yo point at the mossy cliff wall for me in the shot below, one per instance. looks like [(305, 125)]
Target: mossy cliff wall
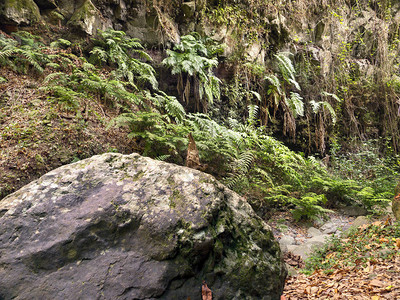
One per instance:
[(348, 48)]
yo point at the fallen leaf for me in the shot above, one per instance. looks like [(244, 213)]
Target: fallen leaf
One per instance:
[(307, 290), (367, 269), (375, 298), (377, 283), (383, 240), (206, 293), (332, 254)]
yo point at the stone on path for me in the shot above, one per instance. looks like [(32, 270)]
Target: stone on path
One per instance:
[(312, 231), (308, 246), (285, 241), (359, 221), (354, 211)]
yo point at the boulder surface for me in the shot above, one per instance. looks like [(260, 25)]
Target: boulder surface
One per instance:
[(128, 227)]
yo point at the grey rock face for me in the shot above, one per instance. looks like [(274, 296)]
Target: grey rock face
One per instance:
[(129, 227)]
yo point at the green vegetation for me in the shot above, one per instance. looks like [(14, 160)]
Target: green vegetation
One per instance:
[(116, 72), (194, 58)]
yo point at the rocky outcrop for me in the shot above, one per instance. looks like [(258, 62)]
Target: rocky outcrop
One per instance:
[(88, 19), (127, 227), (19, 12)]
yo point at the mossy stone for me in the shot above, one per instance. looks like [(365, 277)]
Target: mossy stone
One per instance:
[(20, 12), (86, 18)]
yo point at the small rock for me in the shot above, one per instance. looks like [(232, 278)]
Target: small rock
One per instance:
[(359, 221), (284, 248), (287, 240), (302, 250), (312, 231), (317, 240), (329, 228), (318, 222), (354, 211)]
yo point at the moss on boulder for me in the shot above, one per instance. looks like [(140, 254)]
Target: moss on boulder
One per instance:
[(19, 12), (87, 18), (95, 229)]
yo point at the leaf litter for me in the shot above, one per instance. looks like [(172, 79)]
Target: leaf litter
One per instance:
[(363, 265)]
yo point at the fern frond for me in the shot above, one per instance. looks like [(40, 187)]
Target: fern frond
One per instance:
[(334, 96), (257, 95), (163, 157), (275, 83), (285, 65), (331, 111), (253, 113), (295, 102)]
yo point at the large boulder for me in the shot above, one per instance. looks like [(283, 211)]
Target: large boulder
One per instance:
[(128, 227)]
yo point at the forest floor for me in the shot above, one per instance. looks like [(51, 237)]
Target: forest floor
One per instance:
[(362, 264)]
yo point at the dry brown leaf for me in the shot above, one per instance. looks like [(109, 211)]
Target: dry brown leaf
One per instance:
[(367, 269), (307, 290), (206, 293), (377, 283)]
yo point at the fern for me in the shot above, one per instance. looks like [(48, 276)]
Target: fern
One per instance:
[(116, 49), (192, 58), (60, 43), (287, 69), (308, 207), (163, 157), (334, 96), (316, 107), (295, 102), (253, 114)]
